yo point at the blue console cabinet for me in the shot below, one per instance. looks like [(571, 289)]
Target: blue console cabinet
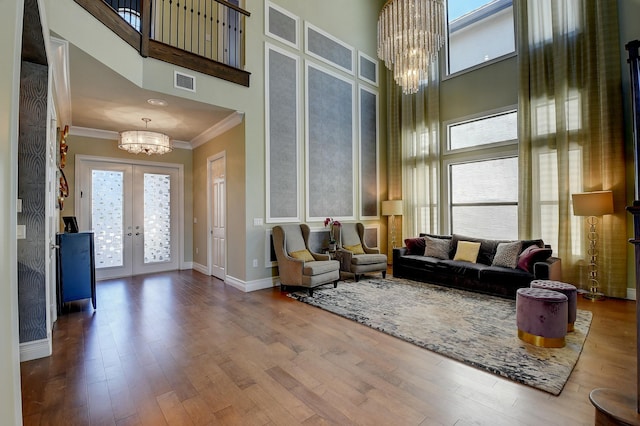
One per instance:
[(76, 268)]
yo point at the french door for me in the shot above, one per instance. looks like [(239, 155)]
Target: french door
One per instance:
[(133, 210)]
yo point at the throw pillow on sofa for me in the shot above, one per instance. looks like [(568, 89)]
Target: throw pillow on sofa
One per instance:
[(507, 254), (467, 251), (415, 246), (531, 255), (437, 247)]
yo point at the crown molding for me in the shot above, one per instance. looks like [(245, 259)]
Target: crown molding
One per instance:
[(110, 135), (229, 122), (60, 75)]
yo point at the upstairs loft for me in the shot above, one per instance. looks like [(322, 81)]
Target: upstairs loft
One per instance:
[(207, 36)]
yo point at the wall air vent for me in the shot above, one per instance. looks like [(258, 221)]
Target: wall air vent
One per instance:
[(184, 81)]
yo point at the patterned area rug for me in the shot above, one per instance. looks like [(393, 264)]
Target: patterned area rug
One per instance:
[(476, 329)]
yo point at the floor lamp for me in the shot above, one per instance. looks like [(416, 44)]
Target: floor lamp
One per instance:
[(592, 205), (392, 208)]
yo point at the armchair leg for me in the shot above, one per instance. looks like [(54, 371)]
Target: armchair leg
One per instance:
[(335, 284), (310, 292), (357, 277), (384, 274)]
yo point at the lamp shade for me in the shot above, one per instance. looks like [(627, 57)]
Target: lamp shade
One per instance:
[(595, 203), (392, 208)]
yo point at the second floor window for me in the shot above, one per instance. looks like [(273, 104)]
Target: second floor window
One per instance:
[(478, 31)]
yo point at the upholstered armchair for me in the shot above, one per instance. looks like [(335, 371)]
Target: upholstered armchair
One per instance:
[(354, 254), (297, 264)]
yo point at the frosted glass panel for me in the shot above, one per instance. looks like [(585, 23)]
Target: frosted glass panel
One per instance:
[(487, 130), (157, 218), (107, 217)]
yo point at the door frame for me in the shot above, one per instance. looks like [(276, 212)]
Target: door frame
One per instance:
[(80, 168), (222, 155)]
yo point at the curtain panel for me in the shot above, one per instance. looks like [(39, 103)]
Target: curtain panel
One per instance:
[(571, 132), (414, 130)]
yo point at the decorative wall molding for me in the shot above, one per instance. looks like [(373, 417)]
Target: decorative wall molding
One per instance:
[(367, 68), (631, 293), (328, 49), (281, 25), (330, 137), (369, 150), (282, 134)]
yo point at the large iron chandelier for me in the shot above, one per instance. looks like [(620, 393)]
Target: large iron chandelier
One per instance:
[(137, 141), (410, 34)]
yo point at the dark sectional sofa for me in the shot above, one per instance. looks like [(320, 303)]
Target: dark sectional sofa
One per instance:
[(533, 261)]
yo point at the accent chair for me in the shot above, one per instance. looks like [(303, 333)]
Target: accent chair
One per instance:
[(354, 254), (298, 265)]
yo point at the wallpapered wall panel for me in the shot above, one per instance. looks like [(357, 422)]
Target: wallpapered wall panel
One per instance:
[(340, 173), (281, 24), (32, 142), (282, 135), (329, 49), (330, 145), (367, 69), (368, 153)]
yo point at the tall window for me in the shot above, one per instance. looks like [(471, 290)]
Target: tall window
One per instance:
[(479, 31), (481, 164)]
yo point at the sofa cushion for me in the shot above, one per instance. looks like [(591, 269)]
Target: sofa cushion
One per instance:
[(320, 267), (462, 268), (531, 255), (487, 247), (498, 275), (467, 251), (420, 262), (415, 245), (369, 259), (507, 254), (437, 247)]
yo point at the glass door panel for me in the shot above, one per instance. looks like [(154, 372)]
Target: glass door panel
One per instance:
[(107, 217), (157, 218)]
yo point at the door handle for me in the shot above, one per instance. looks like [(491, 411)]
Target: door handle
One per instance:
[(53, 246), (129, 234), (138, 233)]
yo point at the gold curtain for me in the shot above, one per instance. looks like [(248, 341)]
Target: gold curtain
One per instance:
[(571, 132), (413, 124)]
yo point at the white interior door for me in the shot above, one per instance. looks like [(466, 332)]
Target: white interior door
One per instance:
[(218, 220), (133, 211)]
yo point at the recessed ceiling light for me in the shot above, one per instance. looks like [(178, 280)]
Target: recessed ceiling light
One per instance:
[(157, 102)]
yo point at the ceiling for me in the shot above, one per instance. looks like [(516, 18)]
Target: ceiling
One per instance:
[(103, 100)]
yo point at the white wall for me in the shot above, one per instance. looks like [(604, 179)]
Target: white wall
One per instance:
[(10, 48)]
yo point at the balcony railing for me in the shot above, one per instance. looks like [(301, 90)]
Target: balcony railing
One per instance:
[(202, 35)]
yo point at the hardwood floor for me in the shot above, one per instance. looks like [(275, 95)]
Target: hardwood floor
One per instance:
[(182, 348)]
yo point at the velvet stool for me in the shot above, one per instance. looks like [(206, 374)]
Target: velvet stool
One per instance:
[(568, 290), (541, 316)]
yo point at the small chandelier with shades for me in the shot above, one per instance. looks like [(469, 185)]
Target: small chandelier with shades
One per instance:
[(137, 141), (410, 34)]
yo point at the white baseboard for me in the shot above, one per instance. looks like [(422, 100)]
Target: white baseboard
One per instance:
[(631, 293), (186, 266), (200, 268), (35, 349), (246, 287)]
